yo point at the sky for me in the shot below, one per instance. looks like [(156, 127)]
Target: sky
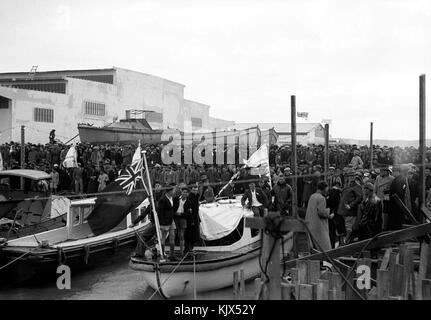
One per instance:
[(349, 61)]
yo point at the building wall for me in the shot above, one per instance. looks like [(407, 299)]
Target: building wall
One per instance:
[(193, 109), (137, 90), (22, 113), (6, 122)]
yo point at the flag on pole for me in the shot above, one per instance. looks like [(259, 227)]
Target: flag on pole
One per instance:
[(119, 198), (71, 159)]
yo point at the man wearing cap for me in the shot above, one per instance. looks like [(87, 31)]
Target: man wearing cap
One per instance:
[(369, 221), (381, 189), (351, 197)]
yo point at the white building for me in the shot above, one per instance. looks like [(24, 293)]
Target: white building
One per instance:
[(306, 133), (60, 100)]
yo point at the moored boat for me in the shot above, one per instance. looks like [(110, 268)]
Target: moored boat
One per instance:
[(211, 265), (38, 255)]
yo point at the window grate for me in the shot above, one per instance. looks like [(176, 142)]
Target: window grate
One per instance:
[(43, 115)]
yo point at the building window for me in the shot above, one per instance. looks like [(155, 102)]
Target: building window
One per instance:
[(197, 122), (95, 109), (43, 115)]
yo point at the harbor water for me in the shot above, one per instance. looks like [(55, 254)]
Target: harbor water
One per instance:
[(113, 280)]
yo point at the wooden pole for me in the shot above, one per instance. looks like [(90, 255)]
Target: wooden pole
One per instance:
[(294, 163), (422, 143), (22, 153), (371, 146), (326, 152)]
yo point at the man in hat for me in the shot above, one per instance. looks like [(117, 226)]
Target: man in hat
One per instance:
[(369, 221), (381, 189), (317, 216)]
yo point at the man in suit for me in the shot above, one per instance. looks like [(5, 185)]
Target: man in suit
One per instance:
[(257, 200), (166, 211), (192, 235), (183, 210)]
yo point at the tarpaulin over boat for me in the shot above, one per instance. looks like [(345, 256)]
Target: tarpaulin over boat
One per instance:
[(220, 219)]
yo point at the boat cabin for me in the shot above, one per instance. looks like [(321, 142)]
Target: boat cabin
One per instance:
[(24, 195)]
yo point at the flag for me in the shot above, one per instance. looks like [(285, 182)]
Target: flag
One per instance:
[(70, 161), (137, 155), (119, 198), (302, 115), (259, 161)]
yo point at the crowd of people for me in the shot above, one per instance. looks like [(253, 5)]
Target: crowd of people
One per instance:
[(351, 201)]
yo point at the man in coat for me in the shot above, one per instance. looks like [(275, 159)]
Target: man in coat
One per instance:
[(282, 193), (257, 200), (381, 189), (399, 188), (351, 197), (183, 211), (369, 222), (317, 218), (192, 233)]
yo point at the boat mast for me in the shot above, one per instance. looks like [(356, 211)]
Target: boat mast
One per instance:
[(156, 218)]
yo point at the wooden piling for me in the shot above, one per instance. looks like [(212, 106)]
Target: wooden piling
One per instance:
[(422, 140)]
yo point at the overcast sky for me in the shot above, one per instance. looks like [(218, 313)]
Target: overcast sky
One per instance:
[(349, 61)]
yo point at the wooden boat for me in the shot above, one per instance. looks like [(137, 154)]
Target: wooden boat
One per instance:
[(125, 131), (212, 264), (38, 255)]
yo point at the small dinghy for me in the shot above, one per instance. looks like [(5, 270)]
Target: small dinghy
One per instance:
[(227, 246)]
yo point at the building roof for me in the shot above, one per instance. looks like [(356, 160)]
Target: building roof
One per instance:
[(280, 128)]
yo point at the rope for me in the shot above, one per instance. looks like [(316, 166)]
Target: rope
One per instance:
[(16, 259), (169, 276)]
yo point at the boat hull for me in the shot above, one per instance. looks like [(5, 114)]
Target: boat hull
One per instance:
[(93, 135), (39, 264), (173, 279)]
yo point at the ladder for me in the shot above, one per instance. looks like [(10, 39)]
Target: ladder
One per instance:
[(32, 73)]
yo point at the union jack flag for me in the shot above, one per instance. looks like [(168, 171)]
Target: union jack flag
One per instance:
[(130, 178)]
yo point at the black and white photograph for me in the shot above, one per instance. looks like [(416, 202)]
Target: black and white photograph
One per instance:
[(215, 155)]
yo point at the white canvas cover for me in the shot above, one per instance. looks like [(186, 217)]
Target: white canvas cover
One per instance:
[(221, 218)]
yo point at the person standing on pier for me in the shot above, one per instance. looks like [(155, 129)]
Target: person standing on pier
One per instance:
[(317, 216)]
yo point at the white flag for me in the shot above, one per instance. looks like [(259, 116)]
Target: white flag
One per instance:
[(1, 162), (137, 154), (70, 161), (259, 160)]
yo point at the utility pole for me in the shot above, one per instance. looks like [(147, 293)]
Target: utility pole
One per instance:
[(294, 162), (371, 146), (326, 151), (422, 141)]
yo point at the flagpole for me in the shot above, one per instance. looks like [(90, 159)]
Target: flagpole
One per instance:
[(156, 218)]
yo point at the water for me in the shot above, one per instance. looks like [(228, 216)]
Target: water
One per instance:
[(112, 281)]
